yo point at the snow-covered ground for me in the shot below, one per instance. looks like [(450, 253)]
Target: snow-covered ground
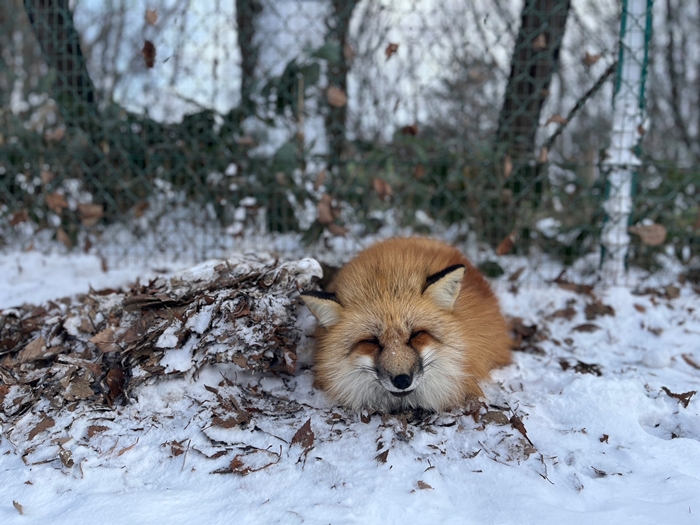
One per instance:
[(605, 441)]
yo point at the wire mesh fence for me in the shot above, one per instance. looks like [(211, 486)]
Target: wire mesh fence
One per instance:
[(188, 129)]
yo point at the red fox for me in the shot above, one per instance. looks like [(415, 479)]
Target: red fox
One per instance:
[(409, 323)]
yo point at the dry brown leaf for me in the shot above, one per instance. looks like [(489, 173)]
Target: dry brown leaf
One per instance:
[(391, 50), (424, 486), (598, 309), (382, 456), (44, 424), (556, 119), (151, 16), (650, 234), (586, 327), (46, 176), (90, 213), (683, 398), (19, 507), (382, 189), (149, 53), (567, 313), (66, 457), (516, 274), (115, 383), (56, 202), (140, 209), (64, 238), (176, 448), (35, 349), (641, 309), (19, 217), (589, 59), (258, 459), (336, 97), (506, 245), (324, 209), (672, 292), (304, 436), (411, 130), (604, 438), (494, 417), (337, 229), (540, 42), (507, 166), (320, 179), (4, 390), (688, 358), (95, 429)]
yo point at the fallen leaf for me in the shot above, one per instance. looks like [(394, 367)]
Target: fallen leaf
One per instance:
[(336, 97), (382, 189), (589, 59), (149, 53), (44, 424), (518, 425), (649, 234), (411, 130), (56, 202), (639, 308), (35, 350), (573, 287), (556, 119), (19, 217), (598, 309), (507, 167), (337, 229), (304, 436), (63, 237), (95, 429), (66, 457), (424, 486), (506, 245), (127, 449), (586, 328), (581, 368), (19, 507), (683, 398), (90, 214), (391, 50), (494, 417), (382, 457), (258, 459), (176, 448), (567, 313), (604, 438), (672, 292), (151, 16), (324, 209), (540, 42), (115, 383), (686, 357)]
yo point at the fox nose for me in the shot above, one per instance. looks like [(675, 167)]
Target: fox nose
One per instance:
[(402, 381)]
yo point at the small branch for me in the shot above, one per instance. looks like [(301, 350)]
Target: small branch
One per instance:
[(580, 103)]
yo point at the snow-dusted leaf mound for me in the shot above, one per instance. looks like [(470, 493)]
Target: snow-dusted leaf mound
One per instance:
[(596, 421)]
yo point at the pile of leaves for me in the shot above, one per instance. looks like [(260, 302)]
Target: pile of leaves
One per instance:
[(93, 350)]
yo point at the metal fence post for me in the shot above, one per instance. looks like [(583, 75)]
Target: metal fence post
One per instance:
[(628, 118)]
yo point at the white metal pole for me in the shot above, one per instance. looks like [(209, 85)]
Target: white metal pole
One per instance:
[(628, 116)]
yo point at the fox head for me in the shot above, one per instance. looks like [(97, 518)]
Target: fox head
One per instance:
[(393, 346)]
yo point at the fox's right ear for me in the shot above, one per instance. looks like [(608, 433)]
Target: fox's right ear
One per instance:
[(324, 306)]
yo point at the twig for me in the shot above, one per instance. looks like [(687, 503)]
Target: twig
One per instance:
[(580, 103)]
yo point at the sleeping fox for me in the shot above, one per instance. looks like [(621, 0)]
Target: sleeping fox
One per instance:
[(409, 323)]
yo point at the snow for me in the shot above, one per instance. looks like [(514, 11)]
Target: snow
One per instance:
[(613, 448)]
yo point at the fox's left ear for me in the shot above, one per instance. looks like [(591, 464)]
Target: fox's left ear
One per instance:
[(324, 306), (444, 287)]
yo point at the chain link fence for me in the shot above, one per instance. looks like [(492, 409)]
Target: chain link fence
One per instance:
[(185, 129)]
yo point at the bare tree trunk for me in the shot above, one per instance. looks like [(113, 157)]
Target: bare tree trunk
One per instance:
[(246, 11), (535, 59), (338, 28), (75, 93)]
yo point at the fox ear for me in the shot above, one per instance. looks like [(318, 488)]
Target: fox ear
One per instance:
[(324, 306), (444, 287)]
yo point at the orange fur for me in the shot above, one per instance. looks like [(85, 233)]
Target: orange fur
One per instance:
[(388, 321)]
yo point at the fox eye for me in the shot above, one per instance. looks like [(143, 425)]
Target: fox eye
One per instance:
[(369, 341), (417, 333)]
